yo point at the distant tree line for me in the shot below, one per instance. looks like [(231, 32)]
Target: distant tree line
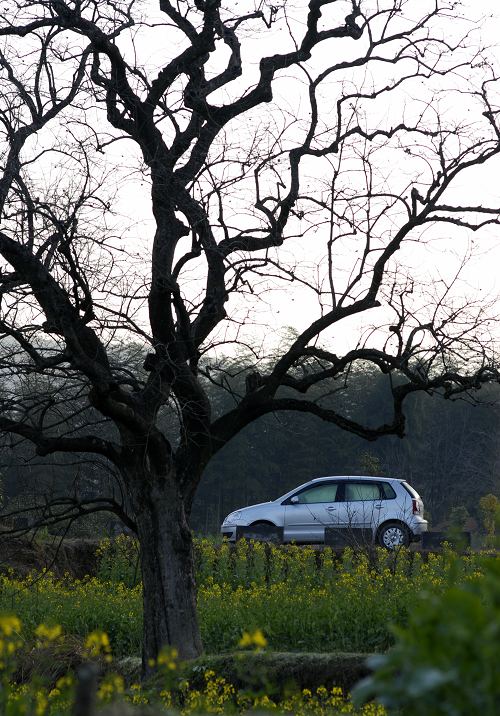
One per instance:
[(450, 452)]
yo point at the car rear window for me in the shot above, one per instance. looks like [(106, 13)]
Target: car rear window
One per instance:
[(409, 489), (356, 491), (360, 491), (387, 491)]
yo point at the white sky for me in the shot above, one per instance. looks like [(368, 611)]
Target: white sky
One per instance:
[(287, 307), (480, 186)]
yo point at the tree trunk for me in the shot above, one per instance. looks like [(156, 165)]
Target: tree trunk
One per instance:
[(167, 564)]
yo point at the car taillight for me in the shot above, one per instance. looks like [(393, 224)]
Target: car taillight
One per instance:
[(416, 507)]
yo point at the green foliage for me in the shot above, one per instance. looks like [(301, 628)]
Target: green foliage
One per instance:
[(490, 507), (118, 560), (445, 659), (458, 517), (370, 464), (175, 687), (446, 612), (281, 670), (349, 602)]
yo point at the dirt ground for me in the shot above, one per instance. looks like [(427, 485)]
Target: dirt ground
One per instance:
[(23, 554)]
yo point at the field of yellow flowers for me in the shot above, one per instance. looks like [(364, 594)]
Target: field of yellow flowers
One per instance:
[(302, 599), (251, 596)]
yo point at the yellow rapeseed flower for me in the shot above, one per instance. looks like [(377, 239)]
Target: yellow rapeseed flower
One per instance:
[(110, 687), (97, 643), (254, 639), (41, 703), (9, 625), (47, 634), (167, 658)]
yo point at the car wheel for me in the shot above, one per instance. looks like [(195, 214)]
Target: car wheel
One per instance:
[(271, 536), (393, 535)]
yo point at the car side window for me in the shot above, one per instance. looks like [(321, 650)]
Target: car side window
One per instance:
[(388, 492), (318, 493), (358, 491)]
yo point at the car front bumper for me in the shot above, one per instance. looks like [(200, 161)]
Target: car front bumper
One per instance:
[(228, 532)]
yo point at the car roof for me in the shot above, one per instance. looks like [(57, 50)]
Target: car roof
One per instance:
[(357, 477)]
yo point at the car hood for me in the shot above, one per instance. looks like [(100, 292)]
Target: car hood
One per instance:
[(259, 504), (253, 508), (252, 511)]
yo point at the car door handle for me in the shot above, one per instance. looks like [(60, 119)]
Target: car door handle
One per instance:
[(378, 507), (331, 509)]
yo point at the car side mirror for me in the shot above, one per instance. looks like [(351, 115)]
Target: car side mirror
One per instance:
[(294, 500)]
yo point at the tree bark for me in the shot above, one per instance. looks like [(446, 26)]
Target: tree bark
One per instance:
[(167, 564)]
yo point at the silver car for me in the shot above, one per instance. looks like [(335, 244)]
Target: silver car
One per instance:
[(390, 507)]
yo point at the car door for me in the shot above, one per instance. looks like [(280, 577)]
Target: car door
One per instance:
[(363, 503), (309, 511)]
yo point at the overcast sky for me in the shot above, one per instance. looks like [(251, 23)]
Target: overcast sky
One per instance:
[(479, 186), (298, 308)]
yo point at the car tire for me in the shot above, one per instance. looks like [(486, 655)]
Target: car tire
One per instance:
[(393, 535)]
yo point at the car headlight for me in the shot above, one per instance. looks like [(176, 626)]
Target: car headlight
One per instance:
[(232, 518)]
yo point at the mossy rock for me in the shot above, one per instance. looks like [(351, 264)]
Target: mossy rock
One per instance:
[(276, 672), (281, 672), (129, 667)]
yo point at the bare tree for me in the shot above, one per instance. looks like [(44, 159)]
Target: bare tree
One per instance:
[(308, 168)]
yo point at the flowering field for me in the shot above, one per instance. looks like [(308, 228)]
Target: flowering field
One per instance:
[(251, 596), (303, 600)]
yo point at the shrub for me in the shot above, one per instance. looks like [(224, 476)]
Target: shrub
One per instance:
[(445, 659), (458, 517), (490, 507)]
